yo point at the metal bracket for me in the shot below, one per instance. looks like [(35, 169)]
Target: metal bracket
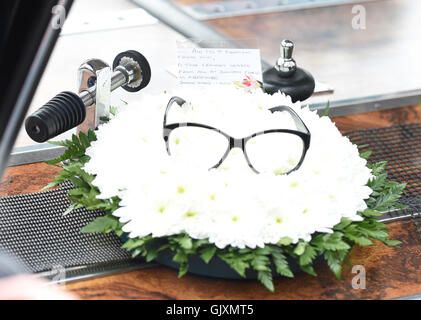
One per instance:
[(103, 95), (87, 78)]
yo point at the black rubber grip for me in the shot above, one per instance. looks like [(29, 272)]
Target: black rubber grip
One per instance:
[(64, 112)]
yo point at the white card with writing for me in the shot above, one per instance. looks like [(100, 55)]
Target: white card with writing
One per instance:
[(217, 66)]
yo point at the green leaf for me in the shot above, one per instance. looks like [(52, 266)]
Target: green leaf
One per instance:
[(103, 224), (330, 242), (363, 146), (373, 229), (134, 243), (72, 207), (137, 251), (183, 269), (300, 248), (325, 112), (84, 140), (180, 256), (75, 140), (281, 264), (91, 135), (334, 260), (154, 247), (152, 253), (104, 119), (185, 242), (79, 191), (113, 110), (240, 266), (378, 168), (200, 243), (392, 243), (343, 224), (308, 255), (309, 269), (285, 241), (207, 254), (366, 154), (388, 199), (360, 240), (400, 206), (261, 251), (371, 213), (377, 184), (265, 277), (235, 262), (50, 185), (260, 263)]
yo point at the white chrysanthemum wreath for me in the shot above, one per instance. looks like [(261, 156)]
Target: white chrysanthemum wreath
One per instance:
[(248, 220), (230, 205)]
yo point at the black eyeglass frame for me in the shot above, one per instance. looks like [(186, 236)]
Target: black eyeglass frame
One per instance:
[(304, 134)]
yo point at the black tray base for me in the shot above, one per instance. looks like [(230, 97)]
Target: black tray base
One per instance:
[(217, 268)]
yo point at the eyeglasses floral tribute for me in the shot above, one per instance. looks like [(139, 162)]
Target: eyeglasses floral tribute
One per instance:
[(228, 223), (278, 151)]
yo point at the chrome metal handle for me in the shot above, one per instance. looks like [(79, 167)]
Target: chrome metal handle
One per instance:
[(68, 110), (286, 65)]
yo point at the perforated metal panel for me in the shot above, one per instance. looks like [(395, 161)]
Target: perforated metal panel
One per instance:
[(33, 228), (400, 145)]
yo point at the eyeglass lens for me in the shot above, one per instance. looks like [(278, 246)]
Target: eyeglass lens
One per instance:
[(273, 152)]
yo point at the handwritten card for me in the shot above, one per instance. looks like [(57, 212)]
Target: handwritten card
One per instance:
[(217, 66)]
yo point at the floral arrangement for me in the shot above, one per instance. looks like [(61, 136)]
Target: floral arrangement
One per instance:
[(250, 221)]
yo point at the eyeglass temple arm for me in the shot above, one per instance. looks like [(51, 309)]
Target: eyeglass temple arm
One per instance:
[(176, 99), (298, 122)]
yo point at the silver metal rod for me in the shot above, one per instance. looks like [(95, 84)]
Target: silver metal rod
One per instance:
[(119, 78)]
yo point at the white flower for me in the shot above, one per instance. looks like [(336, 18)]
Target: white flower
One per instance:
[(164, 195)]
